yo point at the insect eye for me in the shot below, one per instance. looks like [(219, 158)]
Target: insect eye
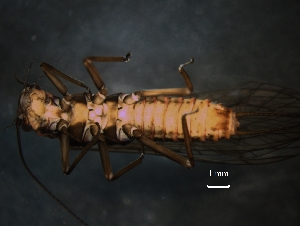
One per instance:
[(47, 100), (26, 127), (25, 124)]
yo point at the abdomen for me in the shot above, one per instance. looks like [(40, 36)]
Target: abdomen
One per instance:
[(160, 118)]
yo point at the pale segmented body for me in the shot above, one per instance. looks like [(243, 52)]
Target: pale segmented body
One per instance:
[(157, 118), (160, 118)]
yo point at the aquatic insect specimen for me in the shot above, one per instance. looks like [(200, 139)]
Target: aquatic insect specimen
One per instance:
[(260, 123)]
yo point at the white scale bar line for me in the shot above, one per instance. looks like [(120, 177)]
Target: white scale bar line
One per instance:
[(228, 186)]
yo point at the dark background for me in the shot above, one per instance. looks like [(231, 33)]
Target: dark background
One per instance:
[(231, 42)]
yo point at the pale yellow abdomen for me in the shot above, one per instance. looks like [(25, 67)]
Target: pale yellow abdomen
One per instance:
[(161, 118)]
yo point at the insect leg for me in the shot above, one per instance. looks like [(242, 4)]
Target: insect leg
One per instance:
[(130, 131), (187, 138), (95, 75), (82, 153), (104, 154), (64, 142), (167, 92), (103, 149), (65, 148), (52, 73)]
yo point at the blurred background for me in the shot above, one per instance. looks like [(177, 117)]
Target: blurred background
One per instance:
[(232, 42)]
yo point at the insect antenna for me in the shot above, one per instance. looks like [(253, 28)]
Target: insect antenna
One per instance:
[(25, 86), (28, 70), (20, 81), (13, 123), (37, 180)]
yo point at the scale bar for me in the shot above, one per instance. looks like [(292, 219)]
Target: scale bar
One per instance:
[(228, 186)]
